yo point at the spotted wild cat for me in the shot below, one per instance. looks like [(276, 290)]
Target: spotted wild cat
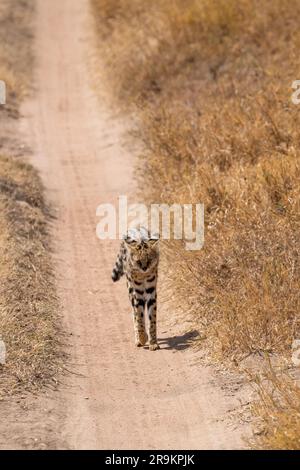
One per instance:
[(138, 261)]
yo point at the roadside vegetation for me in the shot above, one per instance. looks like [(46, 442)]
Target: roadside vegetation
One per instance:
[(28, 305), (211, 81)]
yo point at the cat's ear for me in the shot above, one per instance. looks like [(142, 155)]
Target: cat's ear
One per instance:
[(129, 241), (153, 242)]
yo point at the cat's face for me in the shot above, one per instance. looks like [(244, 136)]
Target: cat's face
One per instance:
[(143, 254)]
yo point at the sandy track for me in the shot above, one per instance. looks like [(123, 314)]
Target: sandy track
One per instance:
[(118, 396)]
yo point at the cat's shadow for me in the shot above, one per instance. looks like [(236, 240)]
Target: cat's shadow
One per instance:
[(179, 342)]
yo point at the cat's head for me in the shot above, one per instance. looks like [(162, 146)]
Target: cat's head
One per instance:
[(142, 248)]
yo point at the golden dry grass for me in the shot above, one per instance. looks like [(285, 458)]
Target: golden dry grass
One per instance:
[(278, 410), (15, 52), (212, 83), (28, 305)]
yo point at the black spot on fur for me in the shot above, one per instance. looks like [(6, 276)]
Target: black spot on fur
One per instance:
[(150, 290), (140, 302), (150, 303), (151, 279), (139, 291)]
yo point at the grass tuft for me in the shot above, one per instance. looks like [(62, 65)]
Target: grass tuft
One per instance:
[(28, 303)]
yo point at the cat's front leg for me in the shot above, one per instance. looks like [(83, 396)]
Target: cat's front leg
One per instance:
[(152, 309), (138, 304)]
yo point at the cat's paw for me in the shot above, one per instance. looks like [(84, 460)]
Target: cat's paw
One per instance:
[(154, 347), (141, 340)]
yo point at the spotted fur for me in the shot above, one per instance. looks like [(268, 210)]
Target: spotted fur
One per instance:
[(138, 261)]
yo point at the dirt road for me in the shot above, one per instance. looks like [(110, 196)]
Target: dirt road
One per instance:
[(117, 396)]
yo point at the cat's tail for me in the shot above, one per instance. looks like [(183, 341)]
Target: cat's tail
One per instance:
[(118, 270)]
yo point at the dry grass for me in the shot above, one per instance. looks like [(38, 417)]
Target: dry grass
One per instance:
[(212, 83), (15, 52), (28, 306), (278, 411)]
